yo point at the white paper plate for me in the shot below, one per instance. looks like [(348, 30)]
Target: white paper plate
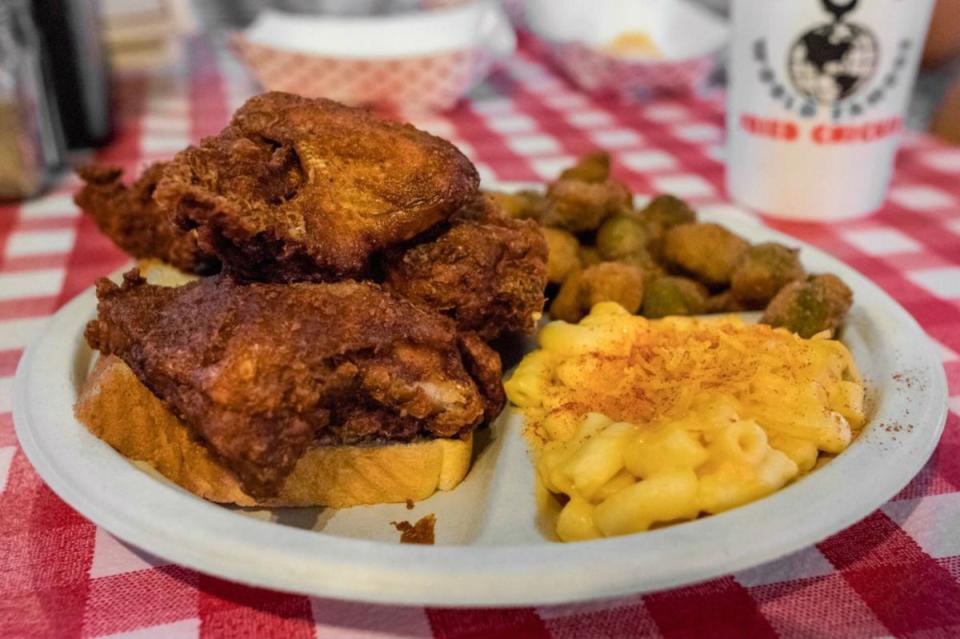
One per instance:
[(492, 550)]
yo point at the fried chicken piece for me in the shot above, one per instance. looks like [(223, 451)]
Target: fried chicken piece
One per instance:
[(308, 189), (129, 216), (260, 372), (487, 272)]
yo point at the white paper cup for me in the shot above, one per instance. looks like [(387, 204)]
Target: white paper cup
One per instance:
[(818, 92)]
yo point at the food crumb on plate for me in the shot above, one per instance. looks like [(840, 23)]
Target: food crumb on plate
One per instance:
[(418, 533)]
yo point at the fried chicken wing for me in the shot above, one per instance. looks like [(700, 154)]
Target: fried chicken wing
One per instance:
[(308, 189), (487, 272), (260, 372), (129, 216)]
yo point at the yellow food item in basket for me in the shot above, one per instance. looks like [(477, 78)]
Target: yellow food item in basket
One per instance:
[(633, 44), (641, 423)]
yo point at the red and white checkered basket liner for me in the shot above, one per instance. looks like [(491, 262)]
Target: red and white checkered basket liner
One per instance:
[(429, 82), (601, 73)]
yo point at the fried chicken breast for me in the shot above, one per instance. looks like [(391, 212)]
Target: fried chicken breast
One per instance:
[(129, 216), (260, 372), (308, 189), (486, 271)]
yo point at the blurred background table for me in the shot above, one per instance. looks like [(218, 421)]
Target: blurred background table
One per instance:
[(895, 573)]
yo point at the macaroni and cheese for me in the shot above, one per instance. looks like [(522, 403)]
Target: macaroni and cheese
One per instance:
[(641, 423)]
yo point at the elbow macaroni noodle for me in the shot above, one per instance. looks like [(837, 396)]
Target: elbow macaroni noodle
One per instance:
[(641, 423)]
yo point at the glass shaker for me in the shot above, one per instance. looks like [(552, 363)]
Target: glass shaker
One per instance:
[(31, 147)]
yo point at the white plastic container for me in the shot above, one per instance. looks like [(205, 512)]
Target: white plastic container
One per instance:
[(818, 91)]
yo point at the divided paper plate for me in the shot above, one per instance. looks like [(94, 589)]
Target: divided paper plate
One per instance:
[(494, 546)]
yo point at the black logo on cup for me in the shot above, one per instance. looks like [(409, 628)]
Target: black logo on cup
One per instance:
[(833, 61), (832, 66)]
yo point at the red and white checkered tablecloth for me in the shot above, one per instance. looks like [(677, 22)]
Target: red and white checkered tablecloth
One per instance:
[(895, 573)]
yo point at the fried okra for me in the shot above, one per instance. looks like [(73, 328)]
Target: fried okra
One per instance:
[(578, 205), (621, 235), (521, 205), (612, 282), (589, 256), (661, 214), (724, 302), (622, 238), (674, 296), (605, 282), (667, 211), (642, 259), (763, 270), (566, 305), (593, 167), (708, 252), (807, 307), (563, 251)]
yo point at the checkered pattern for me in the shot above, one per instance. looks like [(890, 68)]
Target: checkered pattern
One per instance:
[(601, 72), (434, 81), (895, 573)]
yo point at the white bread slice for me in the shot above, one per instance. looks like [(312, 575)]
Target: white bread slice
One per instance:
[(121, 411)]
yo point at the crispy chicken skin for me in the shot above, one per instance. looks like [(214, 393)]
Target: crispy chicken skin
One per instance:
[(486, 271), (308, 189), (129, 216), (259, 372)]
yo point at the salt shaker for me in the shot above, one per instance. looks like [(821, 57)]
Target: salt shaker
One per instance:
[(31, 148)]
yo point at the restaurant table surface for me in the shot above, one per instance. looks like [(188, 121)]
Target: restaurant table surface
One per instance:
[(897, 572)]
